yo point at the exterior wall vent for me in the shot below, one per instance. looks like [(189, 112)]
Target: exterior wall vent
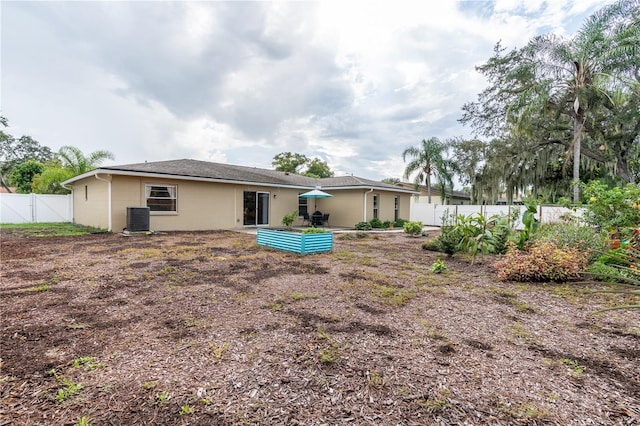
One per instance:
[(137, 219)]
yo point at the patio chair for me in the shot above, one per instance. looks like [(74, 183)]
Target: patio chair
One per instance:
[(306, 218), (325, 219)]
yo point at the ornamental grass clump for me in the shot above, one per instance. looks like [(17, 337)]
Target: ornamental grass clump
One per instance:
[(543, 261)]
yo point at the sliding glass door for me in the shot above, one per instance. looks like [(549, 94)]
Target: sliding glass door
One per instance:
[(256, 208)]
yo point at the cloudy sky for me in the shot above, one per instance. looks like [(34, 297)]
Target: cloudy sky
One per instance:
[(351, 82)]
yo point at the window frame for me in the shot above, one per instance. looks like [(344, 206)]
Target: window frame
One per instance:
[(170, 188)]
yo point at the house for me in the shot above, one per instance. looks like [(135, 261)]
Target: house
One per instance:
[(198, 195), (451, 197)]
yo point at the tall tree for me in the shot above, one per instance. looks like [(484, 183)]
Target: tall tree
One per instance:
[(78, 163), (561, 92), (318, 169), (289, 162), (22, 175), (15, 151), (427, 159)]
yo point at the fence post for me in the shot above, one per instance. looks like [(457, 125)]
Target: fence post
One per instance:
[(34, 213)]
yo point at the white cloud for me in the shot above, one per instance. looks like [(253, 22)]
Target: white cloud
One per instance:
[(354, 83)]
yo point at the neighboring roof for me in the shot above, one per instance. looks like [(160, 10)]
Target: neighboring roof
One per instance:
[(228, 173), (436, 191)]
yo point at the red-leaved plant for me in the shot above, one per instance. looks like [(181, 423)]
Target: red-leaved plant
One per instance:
[(541, 262)]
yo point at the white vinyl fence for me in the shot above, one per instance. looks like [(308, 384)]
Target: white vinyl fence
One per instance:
[(433, 214), (34, 208)]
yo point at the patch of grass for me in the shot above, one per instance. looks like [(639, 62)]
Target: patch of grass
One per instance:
[(393, 295), (518, 330), (149, 385), (344, 255), (575, 368), (218, 351), (367, 261), (330, 354), (375, 379), (41, 287), (433, 332), (76, 326), (63, 229)]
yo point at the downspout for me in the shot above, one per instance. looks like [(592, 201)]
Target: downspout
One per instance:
[(364, 211), (70, 188), (108, 180)]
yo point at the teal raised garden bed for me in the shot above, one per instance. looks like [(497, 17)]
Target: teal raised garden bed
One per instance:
[(295, 242)]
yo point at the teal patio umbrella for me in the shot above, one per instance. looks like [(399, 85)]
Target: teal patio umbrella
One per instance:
[(316, 193)]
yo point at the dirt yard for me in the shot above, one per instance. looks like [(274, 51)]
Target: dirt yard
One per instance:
[(208, 328)]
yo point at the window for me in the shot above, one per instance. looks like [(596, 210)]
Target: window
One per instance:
[(162, 198), (376, 204), (302, 206), (86, 192), (396, 208)]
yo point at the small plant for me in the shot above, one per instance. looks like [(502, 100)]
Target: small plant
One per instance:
[(82, 421), (69, 389), (363, 226), (41, 287), (186, 410), (386, 224), (530, 223), (413, 228), (438, 267), (78, 362), (163, 397), (315, 231), (289, 218)]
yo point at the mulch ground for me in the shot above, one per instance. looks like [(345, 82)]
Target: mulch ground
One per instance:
[(208, 328)]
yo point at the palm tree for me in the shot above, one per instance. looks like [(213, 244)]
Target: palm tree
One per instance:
[(77, 163), (577, 76), (428, 160)]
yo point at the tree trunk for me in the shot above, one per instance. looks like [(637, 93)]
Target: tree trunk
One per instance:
[(577, 141), (429, 187)]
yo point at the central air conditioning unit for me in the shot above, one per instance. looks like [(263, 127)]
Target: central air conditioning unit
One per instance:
[(137, 219)]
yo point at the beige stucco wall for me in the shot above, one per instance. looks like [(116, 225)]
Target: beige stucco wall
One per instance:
[(206, 205), (90, 202)]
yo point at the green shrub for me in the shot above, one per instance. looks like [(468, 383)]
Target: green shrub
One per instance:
[(314, 231), (449, 240), (413, 228), (386, 224), (375, 223), (542, 261), (431, 245), (613, 209), (501, 235), (363, 226), (572, 235), (605, 272), (399, 223)]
